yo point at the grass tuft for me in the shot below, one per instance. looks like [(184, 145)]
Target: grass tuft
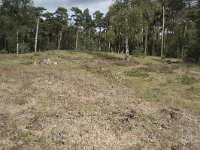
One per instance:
[(137, 73), (187, 80)]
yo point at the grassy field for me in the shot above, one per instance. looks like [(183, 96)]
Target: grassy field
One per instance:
[(98, 101)]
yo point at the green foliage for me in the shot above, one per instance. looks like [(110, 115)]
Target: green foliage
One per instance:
[(24, 48), (139, 21), (110, 36), (98, 19), (3, 51), (91, 45), (193, 53), (51, 46), (139, 51)]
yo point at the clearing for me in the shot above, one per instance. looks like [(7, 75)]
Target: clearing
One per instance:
[(97, 101)]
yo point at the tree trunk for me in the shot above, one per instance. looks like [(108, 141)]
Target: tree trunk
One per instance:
[(119, 45), (146, 43), (163, 32), (77, 40), (185, 32), (109, 46), (40, 39), (127, 48), (165, 41), (84, 45), (17, 40), (100, 39), (126, 43), (142, 44), (8, 46), (60, 38), (36, 34), (5, 42), (89, 33), (184, 36), (119, 48), (154, 39), (176, 39)]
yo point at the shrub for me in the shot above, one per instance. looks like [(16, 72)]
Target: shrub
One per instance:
[(193, 53), (24, 48), (91, 45), (3, 51), (139, 51), (51, 46)]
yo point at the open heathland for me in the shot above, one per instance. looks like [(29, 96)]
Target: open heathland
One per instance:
[(88, 100)]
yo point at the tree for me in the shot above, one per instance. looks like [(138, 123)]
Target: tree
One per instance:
[(7, 23), (38, 12), (147, 10), (62, 23), (198, 21), (120, 18), (193, 50), (168, 28), (88, 25), (19, 7), (98, 21), (110, 37), (116, 23), (19, 12), (163, 28), (78, 19), (186, 18)]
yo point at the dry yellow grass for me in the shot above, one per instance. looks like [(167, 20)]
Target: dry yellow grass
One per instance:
[(97, 101)]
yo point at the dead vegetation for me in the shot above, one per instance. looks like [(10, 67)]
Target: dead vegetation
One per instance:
[(98, 101)]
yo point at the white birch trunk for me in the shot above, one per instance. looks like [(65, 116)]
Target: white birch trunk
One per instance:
[(109, 46), (146, 43), (100, 39), (127, 48), (126, 44), (60, 38), (163, 32), (77, 40), (17, 40), (36, 34)]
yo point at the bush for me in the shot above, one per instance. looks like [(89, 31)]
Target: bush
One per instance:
[(139, 51), (3, 51), (51, 46), (91, 45), (24, 48), (193, 53)]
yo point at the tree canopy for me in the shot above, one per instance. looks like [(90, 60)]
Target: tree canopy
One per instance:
[(170, 28)]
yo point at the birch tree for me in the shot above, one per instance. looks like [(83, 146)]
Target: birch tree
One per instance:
[(38, 12)]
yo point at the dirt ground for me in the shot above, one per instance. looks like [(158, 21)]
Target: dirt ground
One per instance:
[(97, 102)]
